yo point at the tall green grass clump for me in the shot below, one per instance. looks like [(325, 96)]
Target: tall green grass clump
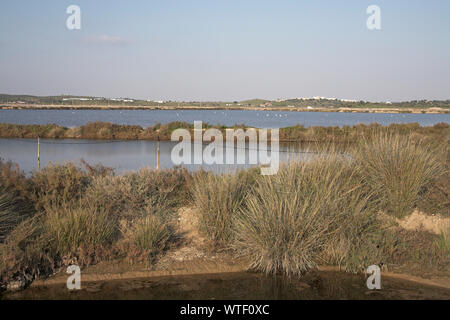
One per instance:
[(397, 169), (218, 198), (15, 198), (12, 212), (71, 228), (25, 252), (150, 234), (288, 217), (13, 181)]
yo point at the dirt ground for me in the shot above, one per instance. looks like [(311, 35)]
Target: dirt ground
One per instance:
[(417, 220)]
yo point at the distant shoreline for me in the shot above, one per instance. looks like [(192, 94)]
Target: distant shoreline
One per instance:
[(432, 110)]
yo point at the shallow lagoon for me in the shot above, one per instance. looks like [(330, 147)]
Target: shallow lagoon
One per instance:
[(240, 286), (252, 118)]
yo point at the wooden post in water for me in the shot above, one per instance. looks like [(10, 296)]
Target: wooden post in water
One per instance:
[(157, 155), (288, 149), (39, 153)]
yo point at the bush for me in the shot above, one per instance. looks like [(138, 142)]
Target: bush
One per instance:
[(71, 228), (12, 212), (150, 234), (288, 217), (218, 199), (58, 184), (13, 181), (25, 253), (147, 190), (397, 170), (361, 241)]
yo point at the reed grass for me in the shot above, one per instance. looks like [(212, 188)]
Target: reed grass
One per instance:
[(25, 252), (287, 218), (218, 199), (12, 212), (150, 234), (397, 170), (70, 228), (127, 196), (57, 184)]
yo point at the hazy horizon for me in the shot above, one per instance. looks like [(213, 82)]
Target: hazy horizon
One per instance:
[(226, 51), (218, 101)]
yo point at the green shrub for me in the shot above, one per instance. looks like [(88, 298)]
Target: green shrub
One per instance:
[(397, 169), (147, 190), (70, 228), (25, 252), (14, 182), (443, 244), (57, 184), (150, 234), (218, 199), (12, 212), (288, 217)]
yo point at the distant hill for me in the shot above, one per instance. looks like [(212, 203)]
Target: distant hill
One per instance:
[(315, 102)]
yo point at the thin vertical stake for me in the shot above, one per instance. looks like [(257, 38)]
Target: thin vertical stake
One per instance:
[(157, 156), (39, 154)]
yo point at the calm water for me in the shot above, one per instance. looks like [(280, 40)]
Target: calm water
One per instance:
[(258, 119), (120, 155), (132, 155), (317, 285)]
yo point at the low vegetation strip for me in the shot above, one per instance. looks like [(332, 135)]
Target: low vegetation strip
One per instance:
[(108, 131)]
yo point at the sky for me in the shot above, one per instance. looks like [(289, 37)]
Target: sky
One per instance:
[(210, 50)]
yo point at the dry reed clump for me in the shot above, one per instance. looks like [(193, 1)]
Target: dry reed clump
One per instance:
[(359, 242), (143, 202), (24, 252), (70, 228), (415, 251), (398, 170), (12, 212), (218, 199), (40, 244), (150, 234), (56, 133), (57, 184), (129, 195), (106, 130), (13, 181), (79, 212), (15, 202), (288, 218)]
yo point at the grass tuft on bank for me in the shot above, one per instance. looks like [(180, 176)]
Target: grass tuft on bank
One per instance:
[(398, 170)]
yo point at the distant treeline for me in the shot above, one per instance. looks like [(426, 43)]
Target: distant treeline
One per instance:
[(298, 103), (107, 131)]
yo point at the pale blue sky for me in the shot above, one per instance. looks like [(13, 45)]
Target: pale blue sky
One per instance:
[(227, 50)]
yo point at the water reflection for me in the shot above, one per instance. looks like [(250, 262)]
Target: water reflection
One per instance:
[(243, 286), (252, 118), (123, 155)]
